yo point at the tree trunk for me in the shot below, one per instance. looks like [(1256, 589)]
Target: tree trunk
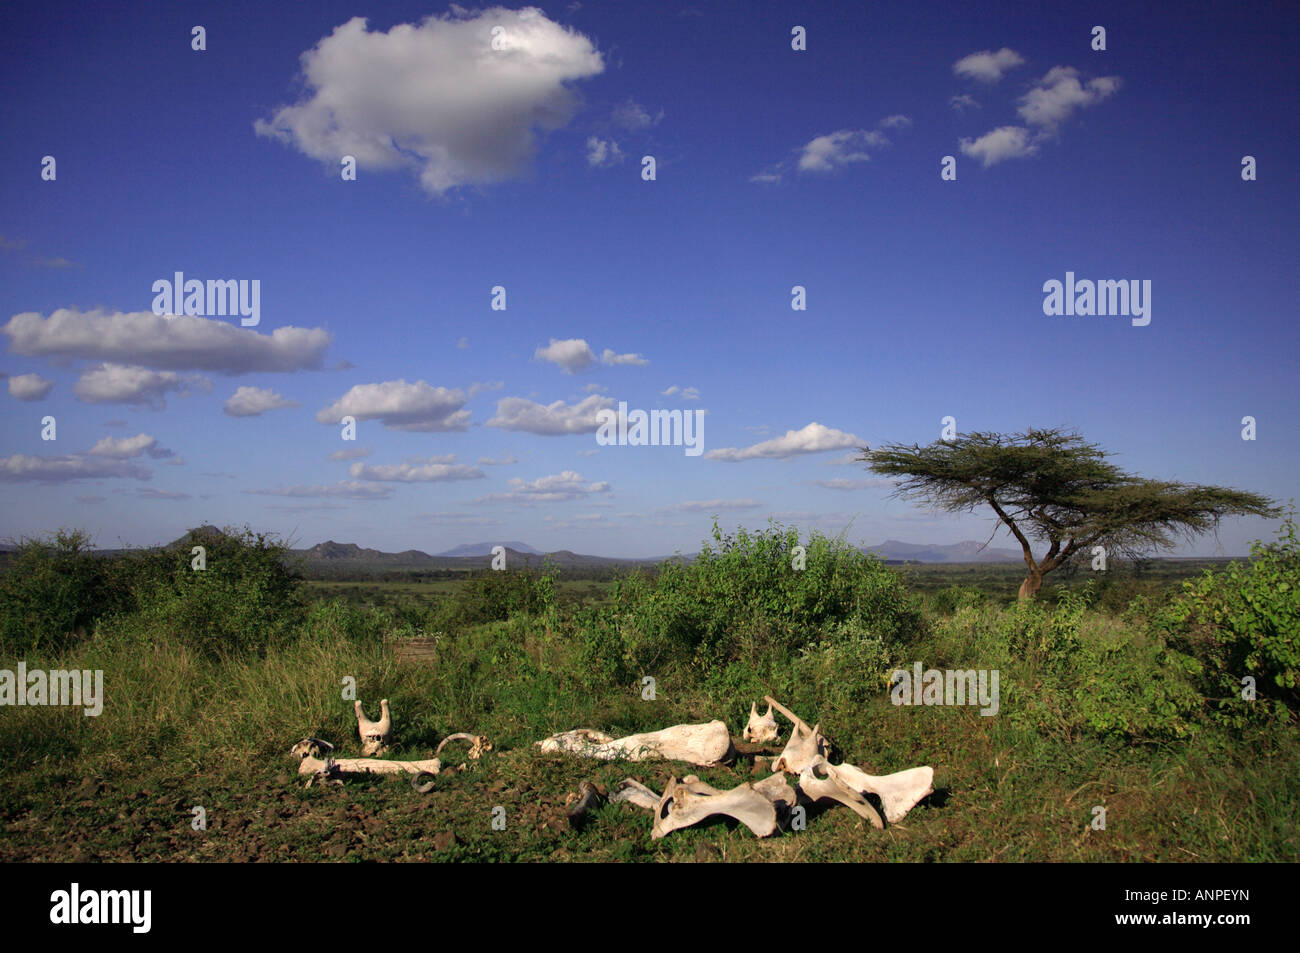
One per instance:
[(1029, 588)]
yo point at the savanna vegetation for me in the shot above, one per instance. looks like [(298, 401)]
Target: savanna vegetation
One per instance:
[(1122, 692)]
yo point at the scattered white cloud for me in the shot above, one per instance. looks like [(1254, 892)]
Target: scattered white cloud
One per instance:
[(573, 354), (1005, 142), (814, 438), (136, 386), (124, 448), (432, 470), (838, 149), (556, 488), (29, 387), (614, 360), (505, 461), (594, 388), (552, 420), (964, 101), (180, 342), (602, 153), (479, 387), (898, 121), (631, 115), (354, 453), (436, 97), (346, 489), (687, 393), (252, 401), (1059, 93), (987, 66), (63, 469), (401, 406)]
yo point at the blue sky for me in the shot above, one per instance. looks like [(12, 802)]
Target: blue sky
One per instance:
[(522, 168)]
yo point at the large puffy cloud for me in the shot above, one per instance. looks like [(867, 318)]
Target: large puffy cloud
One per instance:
[(29, 387), (178, 343), (552, 420), (1059, 93), (986, 65), (402, 406), (62, 469), (437, 97), (137, 386), (252, 401), (813, 438)]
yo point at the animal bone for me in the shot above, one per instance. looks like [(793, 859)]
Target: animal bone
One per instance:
[(634, 792), (375, 735), (760, 729), (330, 768), (821, 780), (688, 802), (478, 744), (804, 747), (776, 790), (589, 796), (898, 792), (705, 744)]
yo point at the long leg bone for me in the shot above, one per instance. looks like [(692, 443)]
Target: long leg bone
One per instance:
[(634, 792), (705, 744)]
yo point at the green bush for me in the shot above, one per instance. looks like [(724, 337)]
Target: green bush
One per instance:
[(1244, 621), (55, 590), (496, 595)]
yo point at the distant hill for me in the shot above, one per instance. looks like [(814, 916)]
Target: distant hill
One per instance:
[(966, 552), (485, 549)]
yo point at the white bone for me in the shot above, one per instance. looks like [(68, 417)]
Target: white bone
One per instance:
[(820, 780), (898, 792), (685, 803), (705, 744), (375, 735), (761, 729), (478, 744), (805, 746), (776, 790), (634, 792)]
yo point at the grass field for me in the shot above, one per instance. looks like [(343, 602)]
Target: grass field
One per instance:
[(208, 683)]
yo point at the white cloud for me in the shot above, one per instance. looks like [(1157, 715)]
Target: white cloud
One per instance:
[(572, 355), (347, 489), (602, 152), (436, 97), (556, 488), (402, 406), (814, 438), (716, 506), (838, 149), (252, 401), (1059, 93), (137, 386), (687, 393), (594, 388), (29, 387), (552, 420), (1005, 142), (181, 342), (505, 461), (149, 493), (479, 387), (355, 453), (898, 121), (964, 101), (614, 360), (124, 448), (63, 469), (631, 115), (986, 65), (432, 470)]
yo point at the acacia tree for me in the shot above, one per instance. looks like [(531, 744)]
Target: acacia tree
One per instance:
[(1052, 487)]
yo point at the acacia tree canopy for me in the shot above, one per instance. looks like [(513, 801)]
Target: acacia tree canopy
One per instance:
[(1054, 488)]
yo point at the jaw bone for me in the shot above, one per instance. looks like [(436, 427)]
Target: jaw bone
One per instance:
[(705, 744), (760, 729)]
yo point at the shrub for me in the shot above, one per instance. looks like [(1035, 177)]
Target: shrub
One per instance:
[(1244, 621)]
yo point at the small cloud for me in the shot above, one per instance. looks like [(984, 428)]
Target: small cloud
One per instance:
[(1059, 93), (556, 488), (614, 360), (1005, 142), (716, 506), (841, 484), (149, 493), (254, 401), (838, 149), (63, 469), (594, 388), (417, 407), (125, 448), (896, 122), (505, 461), (552, 420), (462, 343), (136, 386), (602, 153), (987, 66), (964, 101), (571, 355), (53, 263), (29, 387), (479, 387), (631, 115), (814, 438), (346, 489), (431, 470), (353, 453)]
